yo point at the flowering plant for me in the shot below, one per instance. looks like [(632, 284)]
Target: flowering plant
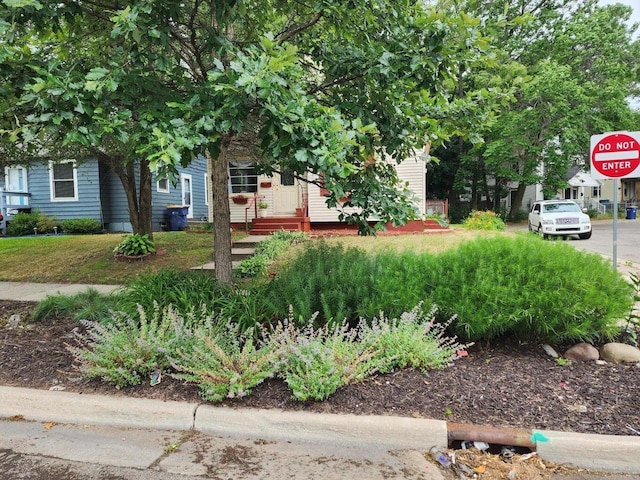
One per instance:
[(240, 199)]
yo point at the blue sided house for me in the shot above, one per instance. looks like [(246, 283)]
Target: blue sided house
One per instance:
[(89, 189)]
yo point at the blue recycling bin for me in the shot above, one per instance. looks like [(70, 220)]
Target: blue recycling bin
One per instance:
[(177, 218), (632, 211)]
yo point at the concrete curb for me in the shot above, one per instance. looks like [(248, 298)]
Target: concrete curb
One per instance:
[(610, 453), (401, 433)]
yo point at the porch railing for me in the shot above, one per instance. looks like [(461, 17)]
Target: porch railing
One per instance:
[(437, 207), (7, 210), (253, 204)]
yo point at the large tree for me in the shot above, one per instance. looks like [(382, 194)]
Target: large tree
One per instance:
[(581, 70), (322, 87)]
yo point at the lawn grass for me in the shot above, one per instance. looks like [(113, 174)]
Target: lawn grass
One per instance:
[(418, 242), (89, 258)]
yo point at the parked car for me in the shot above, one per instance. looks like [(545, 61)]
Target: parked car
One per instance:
[(559, 217)]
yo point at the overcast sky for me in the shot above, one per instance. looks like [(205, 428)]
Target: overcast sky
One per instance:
[(635, 4)]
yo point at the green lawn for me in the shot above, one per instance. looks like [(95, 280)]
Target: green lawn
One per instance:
[(89, 258)]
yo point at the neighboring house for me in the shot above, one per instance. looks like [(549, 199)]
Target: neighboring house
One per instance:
[(288, 197), (583, 188), (70, 189)]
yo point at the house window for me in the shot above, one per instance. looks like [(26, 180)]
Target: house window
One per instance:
[(242, 177), (63, 181), (162, 186), (596, 192)]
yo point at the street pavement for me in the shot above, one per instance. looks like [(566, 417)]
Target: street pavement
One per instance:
[(625, 240)]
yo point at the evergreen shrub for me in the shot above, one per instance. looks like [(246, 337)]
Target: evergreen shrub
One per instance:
[(325, 279), (81, 226), (547, 291), (23, 224)]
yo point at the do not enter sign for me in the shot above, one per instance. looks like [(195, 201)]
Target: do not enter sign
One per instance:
[(615, 155)]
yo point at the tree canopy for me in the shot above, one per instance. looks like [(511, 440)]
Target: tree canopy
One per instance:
[(318, 87), (578, 64)]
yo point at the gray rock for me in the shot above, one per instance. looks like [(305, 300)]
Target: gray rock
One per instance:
[(549, 350), (620, 352), (582, 352), (14, 320)]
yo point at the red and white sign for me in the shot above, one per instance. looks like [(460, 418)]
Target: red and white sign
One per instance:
[(615, 155)]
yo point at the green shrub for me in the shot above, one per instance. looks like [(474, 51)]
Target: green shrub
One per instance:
[(224, 362), (135, 244), (194, 293), (413, 340), (316, 362), (536, 290), (127, 351), (253, 266), (267, 251), (348, 284), (23, 224), (484, 220), (81, 226), (89, 305), (323, 278)]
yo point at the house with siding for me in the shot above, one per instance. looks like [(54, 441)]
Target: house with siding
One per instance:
[(294, 203), (88, 189)]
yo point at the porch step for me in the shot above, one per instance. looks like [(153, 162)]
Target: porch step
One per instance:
[(265, 226), (211, 266)]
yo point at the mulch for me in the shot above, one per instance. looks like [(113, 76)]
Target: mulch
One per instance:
[(505, 384)]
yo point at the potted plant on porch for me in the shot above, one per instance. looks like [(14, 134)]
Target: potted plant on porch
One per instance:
[(262, 209)]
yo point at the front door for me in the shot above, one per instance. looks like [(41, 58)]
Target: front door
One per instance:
[(286, 194), (185, 181), (16, 181)]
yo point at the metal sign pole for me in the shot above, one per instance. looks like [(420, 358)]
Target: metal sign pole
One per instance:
[(615, 223)]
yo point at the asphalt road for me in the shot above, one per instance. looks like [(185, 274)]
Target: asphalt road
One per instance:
[(627, 240)]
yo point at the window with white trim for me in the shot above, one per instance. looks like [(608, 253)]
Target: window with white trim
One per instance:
[(63, 178), (162, 185)]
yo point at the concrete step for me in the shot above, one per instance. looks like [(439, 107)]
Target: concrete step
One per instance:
[(248, 242), (242, 253), (211, 266)]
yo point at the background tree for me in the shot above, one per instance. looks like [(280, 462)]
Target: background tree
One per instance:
[(322, 87), (580, 72)]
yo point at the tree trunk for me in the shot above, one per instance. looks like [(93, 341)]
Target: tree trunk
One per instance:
[(221, 213), (145, 218), (517, 200), (139, 207)]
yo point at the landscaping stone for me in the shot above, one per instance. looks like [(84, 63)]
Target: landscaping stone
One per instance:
[(620, 352), (582, 352)]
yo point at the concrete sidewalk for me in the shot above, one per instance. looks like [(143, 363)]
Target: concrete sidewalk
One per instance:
[(335, 433), (193, 439), (36, 292)]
